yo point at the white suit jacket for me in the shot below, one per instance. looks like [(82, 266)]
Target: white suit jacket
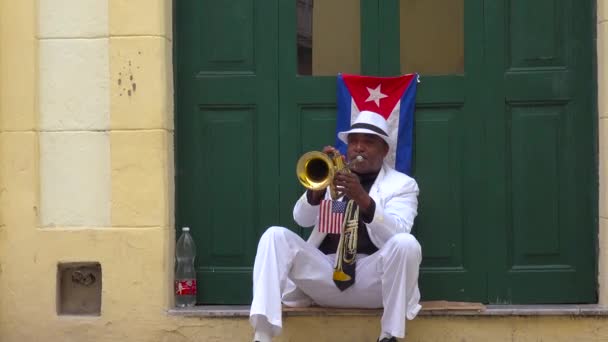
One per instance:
[(396, 197)]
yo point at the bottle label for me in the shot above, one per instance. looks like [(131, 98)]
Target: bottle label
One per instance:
[(185, 287)]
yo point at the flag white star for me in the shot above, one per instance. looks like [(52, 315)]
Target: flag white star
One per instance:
[(375, 95)]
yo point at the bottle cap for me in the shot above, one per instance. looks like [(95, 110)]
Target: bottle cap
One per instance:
[(185, 229)]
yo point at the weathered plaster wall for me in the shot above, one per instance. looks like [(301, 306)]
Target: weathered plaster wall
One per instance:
[(86, 175), (18, 159), (85, 164)]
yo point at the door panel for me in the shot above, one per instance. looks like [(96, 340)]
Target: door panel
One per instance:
[(534, 182), (438, 132), (438, 169), (535, 33), (226, 137), (229, 28), (540, 151)]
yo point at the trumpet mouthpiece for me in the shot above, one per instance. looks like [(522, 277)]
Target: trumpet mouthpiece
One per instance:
[(356, 160)]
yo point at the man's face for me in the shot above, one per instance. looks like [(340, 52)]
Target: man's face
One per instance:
[(369, 146)]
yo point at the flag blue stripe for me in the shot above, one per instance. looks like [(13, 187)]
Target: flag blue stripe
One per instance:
[(343, 116), (405, 138)]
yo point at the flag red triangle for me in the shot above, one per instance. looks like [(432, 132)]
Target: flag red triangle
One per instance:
[(377, 94)]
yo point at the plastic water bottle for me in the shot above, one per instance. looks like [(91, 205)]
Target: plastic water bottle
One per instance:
[(185, 274)]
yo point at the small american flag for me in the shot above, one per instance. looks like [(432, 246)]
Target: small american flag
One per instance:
[(331, 216)]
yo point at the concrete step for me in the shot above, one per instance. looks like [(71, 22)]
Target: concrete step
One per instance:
[(437, 322)]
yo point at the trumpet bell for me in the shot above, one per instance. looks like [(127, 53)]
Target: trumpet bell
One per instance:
[(315, 170)]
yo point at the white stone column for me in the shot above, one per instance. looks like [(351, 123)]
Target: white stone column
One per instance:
[(74, 104)]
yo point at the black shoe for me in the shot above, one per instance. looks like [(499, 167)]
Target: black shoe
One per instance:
[(386, 339)]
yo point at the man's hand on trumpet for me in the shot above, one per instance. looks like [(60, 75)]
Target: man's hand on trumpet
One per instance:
[(348, 183)]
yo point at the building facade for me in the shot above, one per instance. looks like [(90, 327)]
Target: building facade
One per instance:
[(90, 196)]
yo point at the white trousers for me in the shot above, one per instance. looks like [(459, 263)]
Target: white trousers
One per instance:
[(288, 269)]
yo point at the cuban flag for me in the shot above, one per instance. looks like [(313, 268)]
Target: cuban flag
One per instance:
[(392, 97)]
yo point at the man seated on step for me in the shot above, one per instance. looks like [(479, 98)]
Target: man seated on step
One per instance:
[(384, 271)]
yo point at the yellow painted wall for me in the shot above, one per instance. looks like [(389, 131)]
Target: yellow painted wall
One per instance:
[(335, 48), (428, 48), (135, 249)]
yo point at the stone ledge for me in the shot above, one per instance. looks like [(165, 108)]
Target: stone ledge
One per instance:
[(446, 309), (211, 311), (546, 310)]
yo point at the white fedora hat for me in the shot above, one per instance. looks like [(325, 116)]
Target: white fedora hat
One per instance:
[(368, 123)]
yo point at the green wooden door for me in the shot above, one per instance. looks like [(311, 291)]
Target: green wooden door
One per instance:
[(504, 149), (541, 177), (227, 137)]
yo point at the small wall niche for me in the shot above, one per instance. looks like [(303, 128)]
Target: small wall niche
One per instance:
[(79, 288)]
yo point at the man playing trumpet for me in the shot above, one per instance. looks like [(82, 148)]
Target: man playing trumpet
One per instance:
[(384, 274)]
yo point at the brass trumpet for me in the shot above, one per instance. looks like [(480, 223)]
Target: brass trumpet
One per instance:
[(316, 170)]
